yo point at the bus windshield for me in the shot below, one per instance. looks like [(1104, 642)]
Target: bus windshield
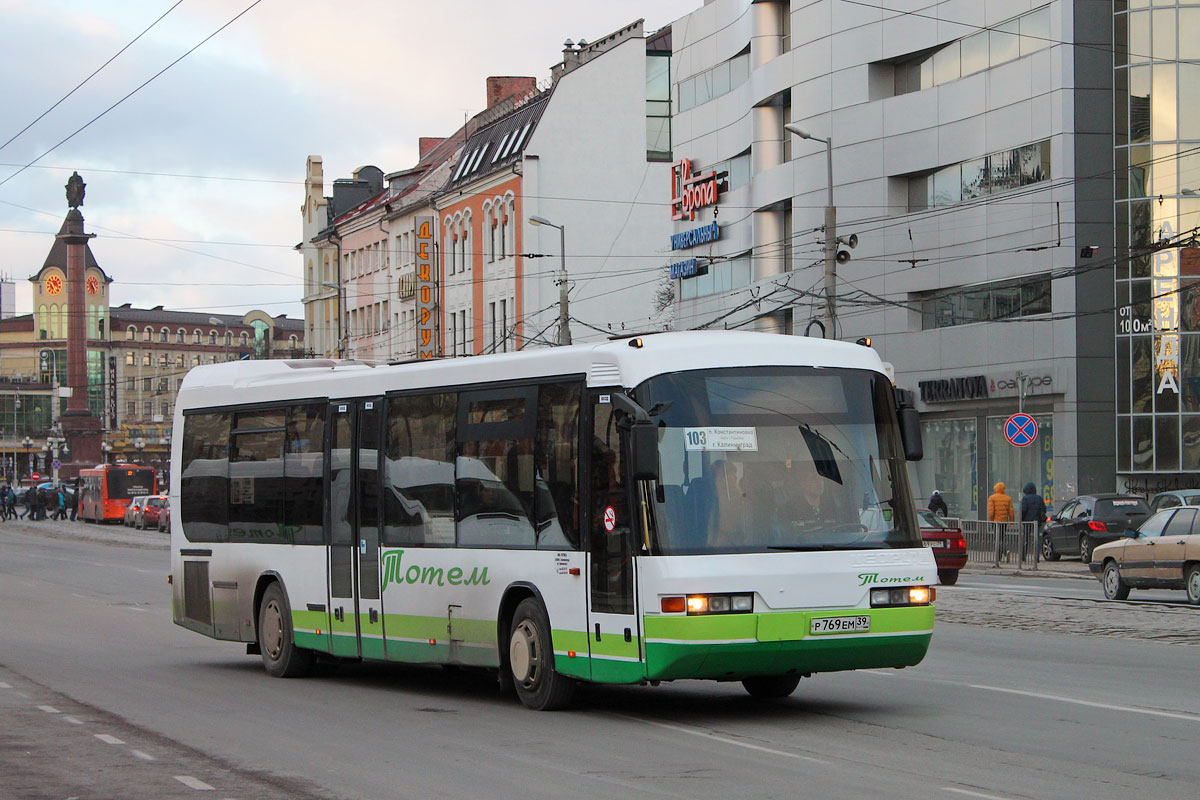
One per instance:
[(126, 483), (768, 459)]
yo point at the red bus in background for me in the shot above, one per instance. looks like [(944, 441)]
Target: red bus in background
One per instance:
[(105, 491)]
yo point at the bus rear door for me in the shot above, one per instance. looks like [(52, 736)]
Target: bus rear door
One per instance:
[(352, 490)]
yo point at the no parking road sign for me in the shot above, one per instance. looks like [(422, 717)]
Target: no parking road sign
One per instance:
[(1021, 430)]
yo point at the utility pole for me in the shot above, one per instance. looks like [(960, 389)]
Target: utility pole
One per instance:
[(831, 242)]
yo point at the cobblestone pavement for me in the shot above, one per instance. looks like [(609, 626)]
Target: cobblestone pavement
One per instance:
[(1132, 620)]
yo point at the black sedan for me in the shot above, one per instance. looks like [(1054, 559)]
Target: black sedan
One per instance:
[(1089, 520)]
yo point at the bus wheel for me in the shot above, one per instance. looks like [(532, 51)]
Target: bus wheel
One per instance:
[(531, 659), (770, 687), (280, 655)]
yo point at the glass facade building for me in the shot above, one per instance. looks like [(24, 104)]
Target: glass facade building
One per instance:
[(1157, 266)]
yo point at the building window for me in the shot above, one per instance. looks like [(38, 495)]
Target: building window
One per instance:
[(147, 407), (147, 335), (131, 408), (987, 302), (179, 359), (130, 384), (718, 276), (658, 106), (130, 356), (164, 335), (162, 385), (992, 174), (989, 48), (719, 80), (146, 384), (131, 333), (146, 360), (195, 361), (180, 335)]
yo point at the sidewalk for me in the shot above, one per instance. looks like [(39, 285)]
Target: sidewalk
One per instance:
[(110, 534), (1066, 568)]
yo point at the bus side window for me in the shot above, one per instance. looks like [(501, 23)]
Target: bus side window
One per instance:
[(304, 469), (494, 473), (556, 504), (204, 477), (418, 479)]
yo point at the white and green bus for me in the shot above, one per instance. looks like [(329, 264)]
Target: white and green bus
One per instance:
[(713, 505)]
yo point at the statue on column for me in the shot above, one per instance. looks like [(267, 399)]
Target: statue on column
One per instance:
[(75, 188)]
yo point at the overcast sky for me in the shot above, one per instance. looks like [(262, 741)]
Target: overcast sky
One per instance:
[(194, 183)]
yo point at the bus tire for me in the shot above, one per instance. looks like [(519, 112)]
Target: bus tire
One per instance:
[(531, 660), (281, 657), (771, 687)]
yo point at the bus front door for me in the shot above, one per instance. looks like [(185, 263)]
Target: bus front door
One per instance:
[(614, 634), (356, 611)]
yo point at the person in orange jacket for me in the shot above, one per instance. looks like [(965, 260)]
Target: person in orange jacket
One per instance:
[(1000, 505)]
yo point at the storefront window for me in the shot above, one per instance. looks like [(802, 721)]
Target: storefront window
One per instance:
[(1016, 466), (950, 465)]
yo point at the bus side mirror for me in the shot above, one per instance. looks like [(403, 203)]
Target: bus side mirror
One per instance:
[(643, 437), (910, 425)]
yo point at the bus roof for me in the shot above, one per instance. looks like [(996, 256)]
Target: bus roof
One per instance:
[(618, 362)]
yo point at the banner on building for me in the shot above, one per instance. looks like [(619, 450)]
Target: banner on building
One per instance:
[(426, 307), (112, 393)]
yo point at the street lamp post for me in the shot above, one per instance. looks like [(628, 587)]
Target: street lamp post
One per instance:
[(56, 443), (830, 228), (223, 323), (341, 295), (564, 317), (139, 444), (28, 443), (106, 448)]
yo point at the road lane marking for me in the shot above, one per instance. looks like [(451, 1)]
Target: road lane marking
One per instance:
[(4, 685), (193, 783), (50, 709), (1105, 706), (723, 739), (973, 794), (142, 756), (107, 739), (73, 721)]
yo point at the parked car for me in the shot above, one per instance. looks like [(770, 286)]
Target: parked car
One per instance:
[(1091, 520), (134, 507), (1162, 553), (1173, 498), (147, 515), (164, 518), (947, 542)]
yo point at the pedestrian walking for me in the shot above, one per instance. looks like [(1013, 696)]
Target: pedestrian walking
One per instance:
[(60, 502), (1000, 505), (4, 490), (28, 501), (1033, 507), (10, 503), (937, 504), (73, 500)]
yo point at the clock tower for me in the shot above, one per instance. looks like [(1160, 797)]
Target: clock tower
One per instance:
[(70, 305)]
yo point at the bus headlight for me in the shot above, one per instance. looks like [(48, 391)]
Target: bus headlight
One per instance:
[(902, 596), (715, 604)]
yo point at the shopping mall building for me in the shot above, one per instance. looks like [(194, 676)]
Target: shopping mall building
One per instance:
[(1015, 185)]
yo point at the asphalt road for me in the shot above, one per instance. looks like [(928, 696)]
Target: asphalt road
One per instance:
[(1023, 695)]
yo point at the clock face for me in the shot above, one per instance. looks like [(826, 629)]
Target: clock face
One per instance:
[(93, 284), (54, 285)]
